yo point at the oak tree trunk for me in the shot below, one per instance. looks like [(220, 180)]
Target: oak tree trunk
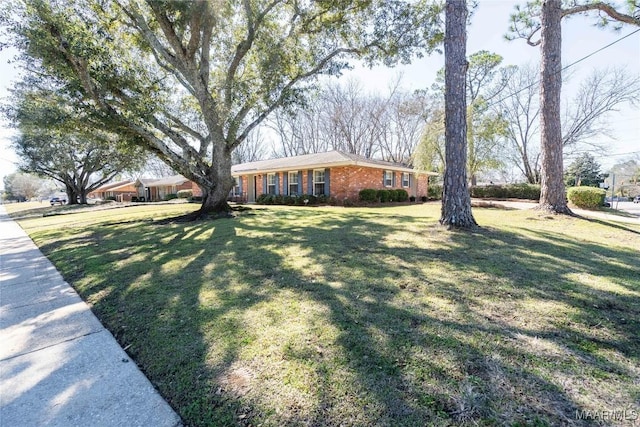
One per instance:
[(456, 201), (72, 194), (552, 191), (215, 192)]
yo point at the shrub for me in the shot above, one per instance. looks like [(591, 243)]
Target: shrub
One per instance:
[(111, 198), (368, 195), (196, 199), (412, 199), (434, 192), (170, 196), (184, 194), (512, 191), (586, 197), (425, 198), (323, 199), (402, 195), (383, 196), (524, 191)]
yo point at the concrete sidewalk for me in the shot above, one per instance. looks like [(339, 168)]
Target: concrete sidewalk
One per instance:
[(58, 365)]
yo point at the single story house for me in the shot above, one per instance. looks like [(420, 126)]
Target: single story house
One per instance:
[(121, 191), (334, 173), (157, 189)]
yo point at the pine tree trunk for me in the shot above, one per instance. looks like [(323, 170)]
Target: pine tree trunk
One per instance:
[(552, 191), (456, 201)]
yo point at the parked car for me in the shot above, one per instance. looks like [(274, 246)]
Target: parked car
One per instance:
[(636, 199), (59, 200)]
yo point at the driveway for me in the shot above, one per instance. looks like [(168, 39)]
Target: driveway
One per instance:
[(632, 210)]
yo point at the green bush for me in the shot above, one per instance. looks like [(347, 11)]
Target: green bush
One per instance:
[(402, 195), (298, 200), (184, 194), (512, 191), (170, 196), (586, 197), (434, 192), (323, 199), (425, 198), (111, 198), (412, 199), (368, 195), (383, 195)]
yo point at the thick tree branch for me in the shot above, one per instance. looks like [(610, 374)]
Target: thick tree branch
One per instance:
[(606, 8)]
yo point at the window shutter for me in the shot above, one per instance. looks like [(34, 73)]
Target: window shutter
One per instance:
[(383, 176), (393, 179), (285, 183), (277, 177), (310, 183), (299, 190), (410, 180), (264, 183), (326, 182), (240, 185)]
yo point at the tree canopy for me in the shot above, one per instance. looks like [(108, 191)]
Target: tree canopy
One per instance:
[(57, 142), (583, 171), (190, 80)]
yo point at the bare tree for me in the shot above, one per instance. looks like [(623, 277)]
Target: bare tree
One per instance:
[(345, 117), (252, 149), (456, 201), (521, 111), (401, 126), (599, 95)]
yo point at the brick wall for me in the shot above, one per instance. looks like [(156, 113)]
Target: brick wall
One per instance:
[(347, 181), (423, 186)]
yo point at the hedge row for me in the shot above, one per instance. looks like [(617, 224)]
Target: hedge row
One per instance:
[(511, 191), (299, 200), (371, 195), (586, 197)]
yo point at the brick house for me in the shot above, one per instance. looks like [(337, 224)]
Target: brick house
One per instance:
[(155, 190), (334, 173), (121, 191)]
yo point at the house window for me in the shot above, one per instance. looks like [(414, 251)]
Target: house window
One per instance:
[(271, 183), (388, 178), (293, 183), (405, 179), (318, 182)]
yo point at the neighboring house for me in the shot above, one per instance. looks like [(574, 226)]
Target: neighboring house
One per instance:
[(334, 173), (121, 191), (154, 190)]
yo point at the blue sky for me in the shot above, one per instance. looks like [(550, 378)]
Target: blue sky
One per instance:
[(488, 26)]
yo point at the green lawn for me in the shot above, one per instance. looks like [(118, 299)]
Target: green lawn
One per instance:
[(361, 317)]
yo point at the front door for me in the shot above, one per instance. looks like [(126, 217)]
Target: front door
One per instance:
[(251, 188)]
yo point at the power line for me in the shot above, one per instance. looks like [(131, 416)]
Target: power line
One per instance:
[(565, 67)]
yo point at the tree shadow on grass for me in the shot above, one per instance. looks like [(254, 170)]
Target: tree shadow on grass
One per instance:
[(289, 318), (610, 224)]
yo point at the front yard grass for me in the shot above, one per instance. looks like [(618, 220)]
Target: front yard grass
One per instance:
[(362, 317)]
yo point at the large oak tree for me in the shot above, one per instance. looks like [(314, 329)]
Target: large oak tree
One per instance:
[(57, 142), (190, 80)]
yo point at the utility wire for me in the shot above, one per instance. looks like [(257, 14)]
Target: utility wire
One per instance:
[(565, 67)]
